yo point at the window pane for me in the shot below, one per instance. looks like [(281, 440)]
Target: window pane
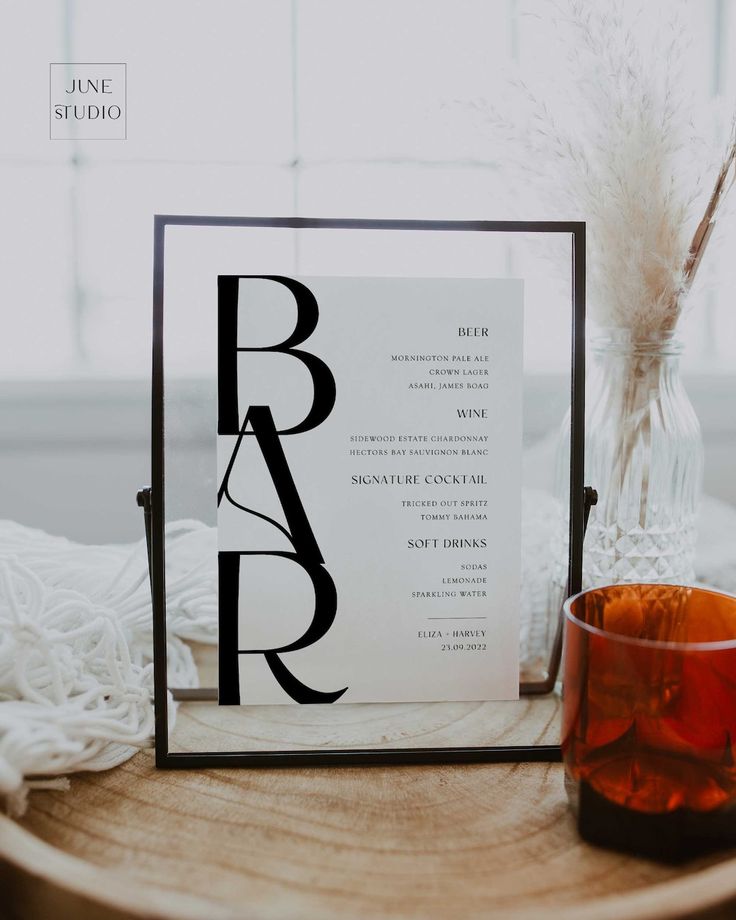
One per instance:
[(379, 79)]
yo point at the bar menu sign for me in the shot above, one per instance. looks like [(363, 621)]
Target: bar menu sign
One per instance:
[(369, 489)]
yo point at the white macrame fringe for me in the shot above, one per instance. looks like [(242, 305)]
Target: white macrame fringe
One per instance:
[(76, 678)]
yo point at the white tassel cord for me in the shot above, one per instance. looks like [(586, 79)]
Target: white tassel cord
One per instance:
[(76, 677)]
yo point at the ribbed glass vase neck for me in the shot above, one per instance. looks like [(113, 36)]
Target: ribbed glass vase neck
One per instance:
[(617, 341)]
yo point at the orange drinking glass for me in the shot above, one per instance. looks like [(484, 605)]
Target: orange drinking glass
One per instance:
[(649, 718)]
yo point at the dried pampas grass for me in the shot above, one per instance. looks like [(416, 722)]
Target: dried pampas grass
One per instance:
[(619, 151), (725, 180)]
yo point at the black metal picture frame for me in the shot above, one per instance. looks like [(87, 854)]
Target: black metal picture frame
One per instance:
[(152, 502)]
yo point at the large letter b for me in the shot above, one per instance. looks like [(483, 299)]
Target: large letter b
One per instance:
[(323, 382)]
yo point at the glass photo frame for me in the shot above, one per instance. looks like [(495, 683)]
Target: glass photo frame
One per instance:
[(184, 478)]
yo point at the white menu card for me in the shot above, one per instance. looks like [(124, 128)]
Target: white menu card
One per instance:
[(369, 474)]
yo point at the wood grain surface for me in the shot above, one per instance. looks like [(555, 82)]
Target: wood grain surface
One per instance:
[(386, 842)]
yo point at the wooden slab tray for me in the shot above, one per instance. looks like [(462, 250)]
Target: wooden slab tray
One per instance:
[(402, 842)]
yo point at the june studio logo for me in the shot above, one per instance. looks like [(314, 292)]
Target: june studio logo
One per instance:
[(87, 101)]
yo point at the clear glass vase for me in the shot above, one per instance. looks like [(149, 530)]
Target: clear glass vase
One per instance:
[(644, 455)]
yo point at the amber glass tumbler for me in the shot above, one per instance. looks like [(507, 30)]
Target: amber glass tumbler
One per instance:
[(649, 718)]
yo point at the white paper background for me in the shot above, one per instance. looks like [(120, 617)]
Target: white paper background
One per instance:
[(380, 645)]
